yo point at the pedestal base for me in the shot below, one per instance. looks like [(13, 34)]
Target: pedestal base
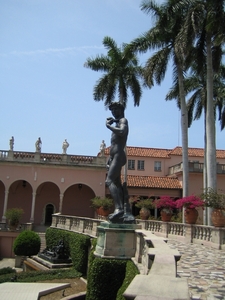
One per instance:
[(116, 240)]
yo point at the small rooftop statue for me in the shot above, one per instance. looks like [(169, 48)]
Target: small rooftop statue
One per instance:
[(11, 144), (102, 148), (38, 145), (65, 145)]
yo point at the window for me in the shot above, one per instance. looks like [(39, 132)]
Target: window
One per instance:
[(141, 164), (157, 166), (131, 164)]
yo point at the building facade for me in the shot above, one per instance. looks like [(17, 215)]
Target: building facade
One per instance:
[(45, 183)]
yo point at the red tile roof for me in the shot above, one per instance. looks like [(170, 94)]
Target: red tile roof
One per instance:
[(196, 152), (166, 153), (153, 182), (144, 152)]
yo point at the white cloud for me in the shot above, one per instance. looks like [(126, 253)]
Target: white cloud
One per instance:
[(56, 51)]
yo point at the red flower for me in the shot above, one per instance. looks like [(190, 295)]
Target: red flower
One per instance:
[(190, 202), (165, 202)]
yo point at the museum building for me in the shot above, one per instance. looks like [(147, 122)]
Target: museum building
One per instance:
[(46, 183)]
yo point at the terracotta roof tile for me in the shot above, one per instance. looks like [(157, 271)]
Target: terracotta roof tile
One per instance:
[(196, 152), (145, 152), (166, 153), (153, 182)]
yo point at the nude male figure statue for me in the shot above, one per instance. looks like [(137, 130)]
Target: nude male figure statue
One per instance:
[(116, 161)]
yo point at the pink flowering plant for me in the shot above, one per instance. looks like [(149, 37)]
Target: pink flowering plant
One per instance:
[(165, 202), (190, 202)]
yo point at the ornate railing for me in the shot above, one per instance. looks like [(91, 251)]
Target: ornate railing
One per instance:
[(51, 158), (195, 167), (77, 224), (208, 235), (21, 227)]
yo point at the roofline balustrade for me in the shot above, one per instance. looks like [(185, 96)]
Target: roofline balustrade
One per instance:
[(194, 167), (51, 158)]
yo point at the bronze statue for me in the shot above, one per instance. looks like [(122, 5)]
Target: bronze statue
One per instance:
[(115, 163)]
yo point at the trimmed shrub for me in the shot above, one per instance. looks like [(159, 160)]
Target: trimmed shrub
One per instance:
[(27, 243), (105, 273), (7, 270), (77, 246), (131, 272), (79, 250), (53, 236)]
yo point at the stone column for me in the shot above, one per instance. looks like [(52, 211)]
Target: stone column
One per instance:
[(61, 195), (5, 205), (33, 207)]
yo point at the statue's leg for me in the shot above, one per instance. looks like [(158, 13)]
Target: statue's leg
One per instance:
[(116, 193), (115, 188)]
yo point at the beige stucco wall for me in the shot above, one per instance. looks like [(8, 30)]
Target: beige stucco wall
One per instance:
[(67, 187)]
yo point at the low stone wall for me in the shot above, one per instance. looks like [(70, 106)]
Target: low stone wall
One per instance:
[(197, 234), (158, 278)]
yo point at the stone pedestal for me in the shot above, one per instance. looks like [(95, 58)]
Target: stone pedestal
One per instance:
[(116, 240)]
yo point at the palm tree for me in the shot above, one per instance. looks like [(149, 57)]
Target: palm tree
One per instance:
[(163, 37), (204, 23), (195, 84), (121, 72)]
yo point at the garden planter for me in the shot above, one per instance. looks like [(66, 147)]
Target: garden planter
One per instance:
[(13, 227), (102, 212), (191, 215), (19, 261), (144, 213), (166, 215), (218, 218)]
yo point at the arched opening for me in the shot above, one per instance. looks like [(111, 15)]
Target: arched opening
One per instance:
[(77, 202), (49, 210), (20, 196), (47, 202)]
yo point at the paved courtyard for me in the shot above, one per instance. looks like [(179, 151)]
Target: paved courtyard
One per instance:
[(204, 268)]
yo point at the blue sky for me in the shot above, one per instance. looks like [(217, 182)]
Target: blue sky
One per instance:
[(46, 91)]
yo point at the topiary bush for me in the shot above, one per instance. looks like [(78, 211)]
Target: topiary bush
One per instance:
[(105, 273), (27, 243), (131, 272)]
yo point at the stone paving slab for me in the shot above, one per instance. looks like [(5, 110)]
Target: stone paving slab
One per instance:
[(28, 291), (204, 268)]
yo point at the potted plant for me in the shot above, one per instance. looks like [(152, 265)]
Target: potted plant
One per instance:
[(190, 203), (145, 205), (166, 205), (13, 215), (216, 201), (102, 205)]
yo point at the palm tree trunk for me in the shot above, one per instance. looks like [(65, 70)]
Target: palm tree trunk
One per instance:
[(210, 126), (205, 211), (184, 130)]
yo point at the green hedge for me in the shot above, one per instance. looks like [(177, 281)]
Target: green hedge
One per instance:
[(36, 276), (7, 270), (76, 245), (105, 277), (27, 243), (108, 278), (131, 272)]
